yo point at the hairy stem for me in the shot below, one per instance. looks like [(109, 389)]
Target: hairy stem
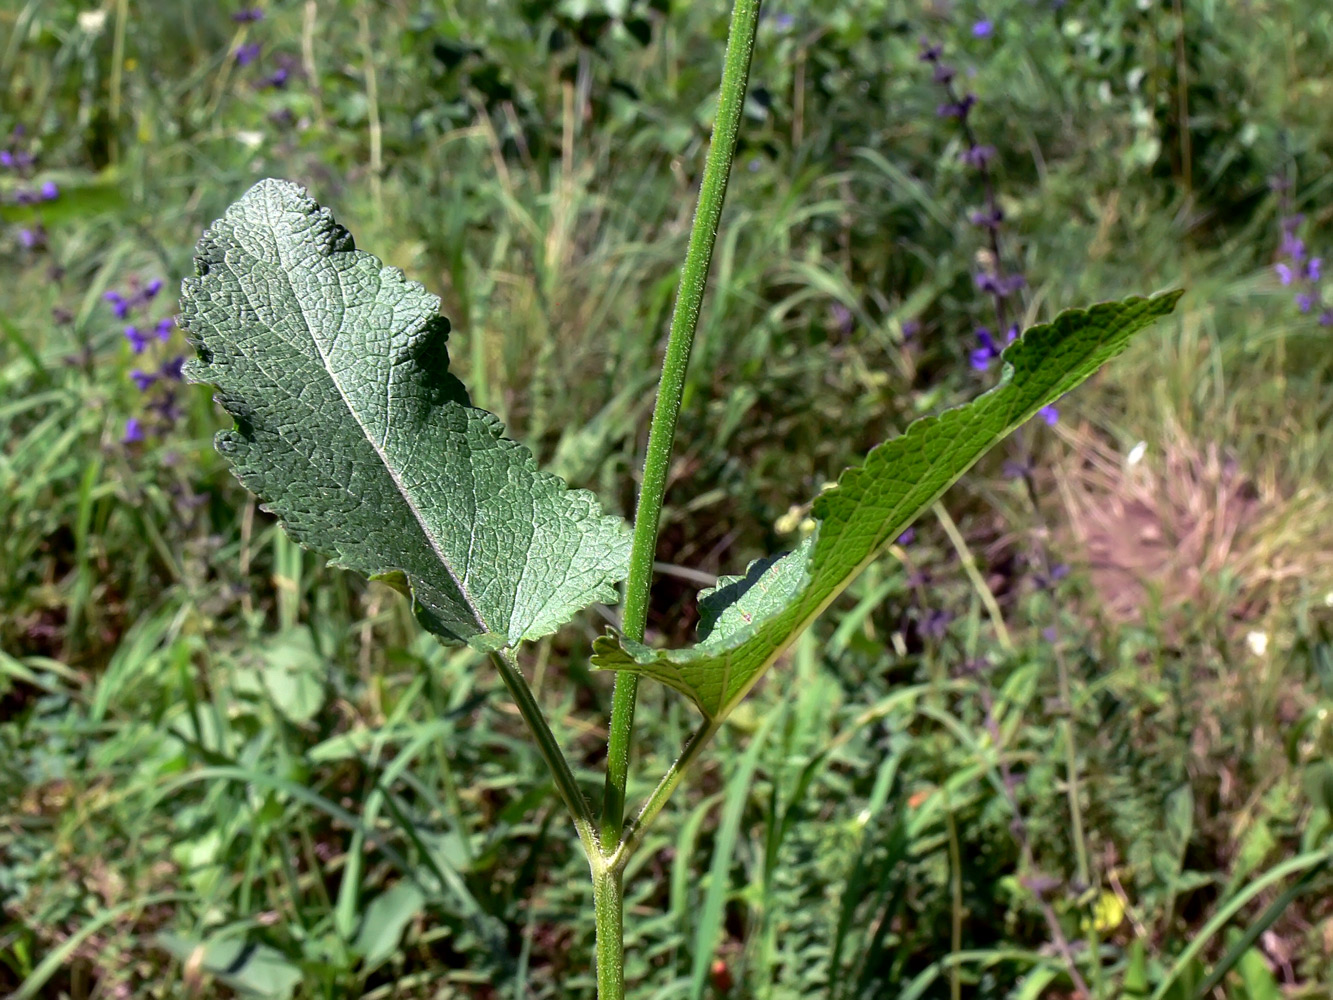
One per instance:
[(565, 782), (609, 905), (652, 489), (661, 434)]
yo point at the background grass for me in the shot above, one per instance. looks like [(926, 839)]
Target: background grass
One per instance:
[(228, 770)]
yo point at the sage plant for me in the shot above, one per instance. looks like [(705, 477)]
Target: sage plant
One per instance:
[(351, 429)]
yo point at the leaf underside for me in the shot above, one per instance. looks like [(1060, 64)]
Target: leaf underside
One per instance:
[(748, 621), (351, 429)]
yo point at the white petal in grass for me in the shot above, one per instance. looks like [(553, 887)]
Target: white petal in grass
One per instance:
[(1136, 454), (91, 22), (1258, 643)]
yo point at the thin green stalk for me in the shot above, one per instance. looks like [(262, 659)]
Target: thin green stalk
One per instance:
[(1082, 868), (956, 907), (607, 892), (565, 783), (662, 432), (662, 793)]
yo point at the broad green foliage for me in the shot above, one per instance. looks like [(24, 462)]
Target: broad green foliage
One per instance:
[(351, 429), (748, 621)]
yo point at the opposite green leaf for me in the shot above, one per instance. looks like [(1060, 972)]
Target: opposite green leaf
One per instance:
[(747, 622), (352, 431)]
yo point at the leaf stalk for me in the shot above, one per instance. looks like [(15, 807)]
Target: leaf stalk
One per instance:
[(565, 782)]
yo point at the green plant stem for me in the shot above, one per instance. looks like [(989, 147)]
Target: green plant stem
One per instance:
[(608, 902), (662, 793), (565, 783), (1082, 868), (671, 387)]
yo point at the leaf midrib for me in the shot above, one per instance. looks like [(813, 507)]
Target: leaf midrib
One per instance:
[(403, 492)]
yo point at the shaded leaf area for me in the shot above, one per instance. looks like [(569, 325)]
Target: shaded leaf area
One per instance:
[(748, 621), (351, 429)]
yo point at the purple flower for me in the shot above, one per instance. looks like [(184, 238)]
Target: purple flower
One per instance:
[(944, 73), (1326, 318), (247, 53), (982, 29), (118, 304), (163, 328), (142, 380), (133, 431), (987, 352), (1044, 582), (1314, 268), (6, 159), (990, 218), (1284, 274), (166, 407), (24, 197), (957, 109), (247, 14), (137, 340), (172, 369), (29, 239), (1049, 414), (930, 52), (784, 22), (977, 156), (278, 78), (999, 284), (907, 537), (1304, 301), (152, 288), (935, 624), (49, 191)]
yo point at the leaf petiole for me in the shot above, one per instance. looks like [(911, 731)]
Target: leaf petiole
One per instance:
[(565, 782)]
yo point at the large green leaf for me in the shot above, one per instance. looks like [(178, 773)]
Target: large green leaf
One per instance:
[(352, 431), (748, 621)]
